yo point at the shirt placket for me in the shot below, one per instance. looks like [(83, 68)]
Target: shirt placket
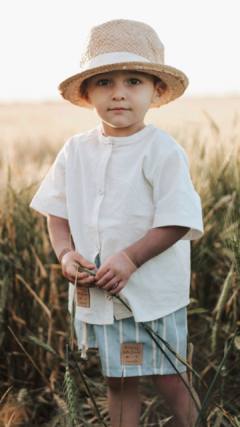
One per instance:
[(108, 301)]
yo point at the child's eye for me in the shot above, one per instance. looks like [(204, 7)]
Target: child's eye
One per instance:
[(135, 80), (102, 81)]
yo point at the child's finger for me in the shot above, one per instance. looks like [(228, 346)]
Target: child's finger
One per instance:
[(85, 281), (105, 279), (101, 272), (118, 288), (108, 283), (72, 272), (84, 262)]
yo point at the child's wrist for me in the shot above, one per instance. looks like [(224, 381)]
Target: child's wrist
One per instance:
[(64, 252), (130, 258)]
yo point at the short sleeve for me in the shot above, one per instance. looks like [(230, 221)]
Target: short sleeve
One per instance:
[(175, 199), (51, 196)]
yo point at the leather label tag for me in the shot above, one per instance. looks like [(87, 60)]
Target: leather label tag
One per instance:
[(83, 297), (131, 354)]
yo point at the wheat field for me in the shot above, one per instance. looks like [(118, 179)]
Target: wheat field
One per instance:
[(37, 385)]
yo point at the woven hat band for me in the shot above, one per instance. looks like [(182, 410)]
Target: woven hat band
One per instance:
[(113, 58)]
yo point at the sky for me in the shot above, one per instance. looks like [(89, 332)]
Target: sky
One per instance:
[(41, 42)]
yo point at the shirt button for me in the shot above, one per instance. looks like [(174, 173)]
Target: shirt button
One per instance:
[(109, 297), (100, 192)]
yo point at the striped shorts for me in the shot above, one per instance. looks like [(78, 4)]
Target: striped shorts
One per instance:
[(108, 339)]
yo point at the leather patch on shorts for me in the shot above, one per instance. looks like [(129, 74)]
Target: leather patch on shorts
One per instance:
[(131, 354), (83, 297)]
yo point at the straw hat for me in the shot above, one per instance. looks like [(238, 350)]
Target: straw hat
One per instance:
[(124, 44)]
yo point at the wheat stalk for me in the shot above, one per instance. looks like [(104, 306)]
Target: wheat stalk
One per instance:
[(40, 343), (236, 250), (222, 299), (3, 298), (70, 395), (224, 294)]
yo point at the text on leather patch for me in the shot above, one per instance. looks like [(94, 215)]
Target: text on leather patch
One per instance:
[(83, 297), (131, 354)]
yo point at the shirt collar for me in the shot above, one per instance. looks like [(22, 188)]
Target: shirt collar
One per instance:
[(126, 139)]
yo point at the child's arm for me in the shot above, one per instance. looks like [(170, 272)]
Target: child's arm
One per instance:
[(117, 268), (60, 236), (156, 241)]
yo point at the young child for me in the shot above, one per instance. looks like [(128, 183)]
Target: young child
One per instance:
[(120, 201)]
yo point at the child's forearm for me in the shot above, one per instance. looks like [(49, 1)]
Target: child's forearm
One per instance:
[(61, 239), (156, 241), (60, 236)]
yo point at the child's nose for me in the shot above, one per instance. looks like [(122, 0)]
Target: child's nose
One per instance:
[(119, 98), (118, 93)]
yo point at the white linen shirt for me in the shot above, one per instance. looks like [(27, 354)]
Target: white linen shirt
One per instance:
[(112, 191)]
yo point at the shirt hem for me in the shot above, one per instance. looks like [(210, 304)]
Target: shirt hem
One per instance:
[(138, 321), (165, 314)]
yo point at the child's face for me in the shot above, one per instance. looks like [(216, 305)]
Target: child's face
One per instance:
[(134, 91)]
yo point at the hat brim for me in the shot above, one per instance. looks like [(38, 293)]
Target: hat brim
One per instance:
[(176, 81)]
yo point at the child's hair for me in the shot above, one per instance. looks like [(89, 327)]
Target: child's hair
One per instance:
[(83, 87)]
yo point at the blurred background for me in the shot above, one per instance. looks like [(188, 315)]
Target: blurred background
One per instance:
[(41, 43)]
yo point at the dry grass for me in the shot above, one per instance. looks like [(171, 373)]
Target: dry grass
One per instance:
[(33, 294)]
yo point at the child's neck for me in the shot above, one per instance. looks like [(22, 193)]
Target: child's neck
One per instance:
[(122, 132)]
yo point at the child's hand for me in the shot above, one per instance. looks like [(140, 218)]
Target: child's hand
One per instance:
[(117, 268), (69, 271)]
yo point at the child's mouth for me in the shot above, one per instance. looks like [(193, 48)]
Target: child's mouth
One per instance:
[(119, 109)]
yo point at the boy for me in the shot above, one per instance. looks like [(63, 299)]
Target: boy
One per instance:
[(122, 192)]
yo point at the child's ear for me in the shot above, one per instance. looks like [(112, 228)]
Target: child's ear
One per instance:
[(84, 92), (85, 96), (158, 92)]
